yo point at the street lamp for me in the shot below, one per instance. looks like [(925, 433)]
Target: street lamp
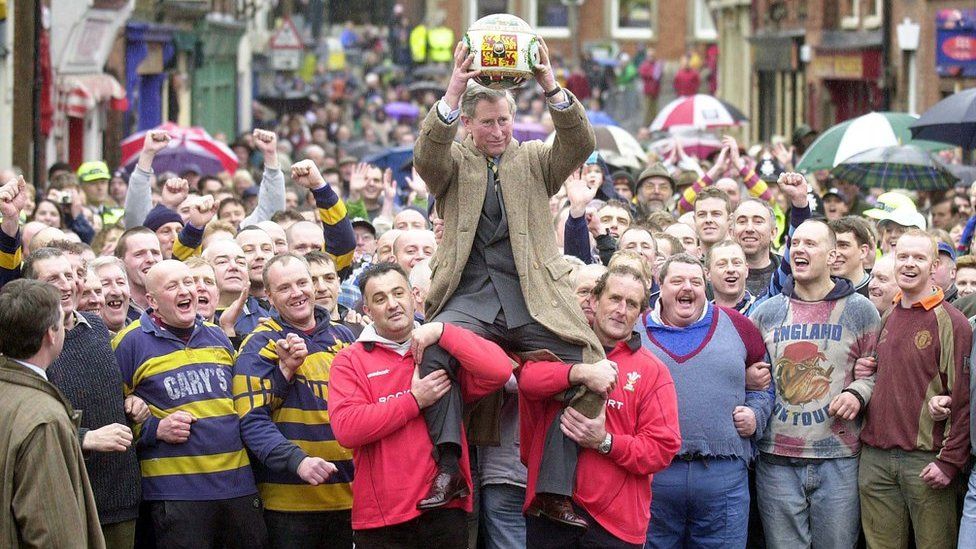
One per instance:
[(908, 32), (573, 7)]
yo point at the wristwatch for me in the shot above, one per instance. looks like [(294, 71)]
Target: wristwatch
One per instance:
[(604, 447)]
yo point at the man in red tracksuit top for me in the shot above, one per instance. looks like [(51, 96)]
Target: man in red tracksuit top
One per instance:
[(376, 400), (624, 446)]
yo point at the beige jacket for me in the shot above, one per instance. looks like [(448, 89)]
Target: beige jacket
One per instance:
[(44, 490), (530, 173)]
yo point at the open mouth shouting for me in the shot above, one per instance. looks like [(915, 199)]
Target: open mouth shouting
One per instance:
[(184, 305)]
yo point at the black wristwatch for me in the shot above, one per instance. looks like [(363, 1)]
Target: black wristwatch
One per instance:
[(553, 93)]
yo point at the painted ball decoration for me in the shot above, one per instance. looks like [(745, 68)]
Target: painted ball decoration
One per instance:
[(505, 50)]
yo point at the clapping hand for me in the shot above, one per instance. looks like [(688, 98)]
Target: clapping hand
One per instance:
[(292, 351)]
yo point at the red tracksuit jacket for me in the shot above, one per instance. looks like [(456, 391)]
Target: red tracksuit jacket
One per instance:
[(642, 416), (373, 413)]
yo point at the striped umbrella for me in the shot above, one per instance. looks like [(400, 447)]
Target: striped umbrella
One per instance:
[(187, 146), (896, 167), (698, 111)]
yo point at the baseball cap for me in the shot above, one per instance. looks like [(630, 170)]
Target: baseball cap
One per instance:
[(95, 170), (888, 203), (250, 192), (834, 191), (947, 249), (364, 223)]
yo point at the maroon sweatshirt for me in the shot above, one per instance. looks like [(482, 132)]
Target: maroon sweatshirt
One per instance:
[(913, 366)]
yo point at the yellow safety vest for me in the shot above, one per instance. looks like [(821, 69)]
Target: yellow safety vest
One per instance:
[(418, 44), (441, 41)]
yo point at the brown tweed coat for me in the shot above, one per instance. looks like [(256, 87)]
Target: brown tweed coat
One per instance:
[(530, 173)]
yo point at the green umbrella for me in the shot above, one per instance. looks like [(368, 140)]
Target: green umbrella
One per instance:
[(875, 129), (899, 167)]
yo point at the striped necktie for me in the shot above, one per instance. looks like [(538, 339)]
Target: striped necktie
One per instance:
[(494, 171)]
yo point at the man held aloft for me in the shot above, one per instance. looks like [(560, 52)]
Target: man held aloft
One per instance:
[(488, 275)]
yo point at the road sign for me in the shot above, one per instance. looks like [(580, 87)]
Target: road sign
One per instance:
[(286, 37)]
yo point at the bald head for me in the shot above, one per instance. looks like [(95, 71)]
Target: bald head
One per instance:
[(163, 270), (413, 246), (30, 229), (44, 237), (305, 236), (277, 234), (384, 245)]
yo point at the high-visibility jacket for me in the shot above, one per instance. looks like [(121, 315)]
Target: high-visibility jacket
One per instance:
[(418, 44), (441, 42)]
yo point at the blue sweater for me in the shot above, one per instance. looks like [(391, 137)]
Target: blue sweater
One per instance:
[(708, 361)]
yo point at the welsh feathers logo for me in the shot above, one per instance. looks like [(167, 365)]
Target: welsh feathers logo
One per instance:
[(632, 378)]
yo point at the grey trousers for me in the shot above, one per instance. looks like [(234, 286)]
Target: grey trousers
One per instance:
[(557, 474)]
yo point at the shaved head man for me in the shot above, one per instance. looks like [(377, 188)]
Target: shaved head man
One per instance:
[(305, 236)]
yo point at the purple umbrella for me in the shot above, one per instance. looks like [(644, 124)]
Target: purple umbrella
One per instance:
[(402, 110), (177, 159), (527, 131)]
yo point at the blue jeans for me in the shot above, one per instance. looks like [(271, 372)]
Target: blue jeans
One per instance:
[(967, 528), (701, 503), (502, 521), (806, 504)]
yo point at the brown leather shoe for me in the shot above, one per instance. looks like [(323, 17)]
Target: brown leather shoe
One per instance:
[(557, 508), (445, 488)]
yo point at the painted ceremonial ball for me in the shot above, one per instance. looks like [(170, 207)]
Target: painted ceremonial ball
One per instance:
[(505, 50)]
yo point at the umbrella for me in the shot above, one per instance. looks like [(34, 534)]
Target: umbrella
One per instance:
[(402, 110), (616, 146), (361, 149), (187, 146), (697, 143), (698, 111), (430, 71), (896, 167), (527, 131), (399, 160), (966, 174), (952, 120), (875, 129), (288, 102), (421, 87), (600, 118)]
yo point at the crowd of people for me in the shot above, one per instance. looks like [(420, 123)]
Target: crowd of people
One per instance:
[(328, 358)]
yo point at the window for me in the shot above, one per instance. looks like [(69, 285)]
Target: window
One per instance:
[(704, 24), (480, 8), (861, 13), (550, 18), (633, 18)]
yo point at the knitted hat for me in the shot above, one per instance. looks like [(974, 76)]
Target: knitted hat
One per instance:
[(656, 170), (159, 216)]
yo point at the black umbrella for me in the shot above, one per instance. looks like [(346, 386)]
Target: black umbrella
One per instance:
[(952, 120), (421, 87), (287, 103), (430, 71)]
